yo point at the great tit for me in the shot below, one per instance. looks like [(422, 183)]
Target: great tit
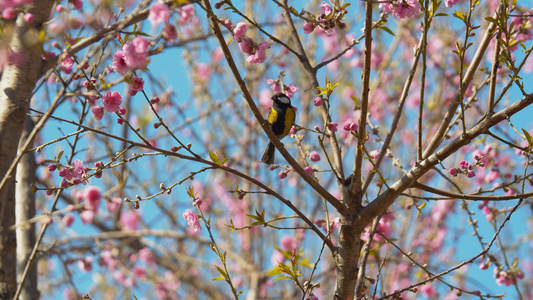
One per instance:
[(280, 118)]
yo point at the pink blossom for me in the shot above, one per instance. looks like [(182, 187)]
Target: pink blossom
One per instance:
[(239, 31), (119, 63), (92, 197), (276, 258), (137, 84), (139, 272), (186, 14), (402, 8), (288, 243), (489, 213), (274, 85), (192, 220), (471, 174), (112, 101), (282, 174), (135, 53), (98, 112), (493, 175), (9, 13), (308, 28), (453, 171), (169, 33), (246, 45), (75, 23), (77, 171), (66, 65), (309, 170), (87, 216), (114, 204), (325, 8), (85, 264), (108, 260), (428, 290), (129, 220), (68, 295), (258, 56), (265, 98), (318, 101), (450, 3), (374, 154), (28, 17), (464, 164), (159, 13), (204, 71), (332, 126), (218, 54), (291, 89), (146, 255), (314, 156), (77, 4)]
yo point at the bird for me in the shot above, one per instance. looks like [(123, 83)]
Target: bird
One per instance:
[(280, 118)]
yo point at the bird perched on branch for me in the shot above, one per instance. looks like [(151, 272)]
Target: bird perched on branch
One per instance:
[(280, 118)]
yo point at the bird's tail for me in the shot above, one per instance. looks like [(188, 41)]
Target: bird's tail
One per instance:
[(268, 155)]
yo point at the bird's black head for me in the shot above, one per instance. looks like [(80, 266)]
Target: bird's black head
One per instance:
[(281, 99)]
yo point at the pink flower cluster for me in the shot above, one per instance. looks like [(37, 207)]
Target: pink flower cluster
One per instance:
[(92, 198), (466, 168), (384, 227), (186, 14), (256, 52), (192, 220), (66, 65), (133, 55), (71, 174), (350, 127), (333, 224), (111, 102), (159, 13), (450, 3), (507, 278), (8, 7), (327, 20), (402, 8), (288, 90), (136, 85), (489, 211)]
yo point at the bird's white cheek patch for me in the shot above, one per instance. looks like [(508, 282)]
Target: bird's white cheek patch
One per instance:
[(284, 100)]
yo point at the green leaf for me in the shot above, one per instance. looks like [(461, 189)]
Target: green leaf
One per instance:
[(492, 20), (515, 263), (387, 30), (222, 273), (459, 15), (442, 15), (214, 158), (60, 154), (528, 138), (421, 206), (282, 277)]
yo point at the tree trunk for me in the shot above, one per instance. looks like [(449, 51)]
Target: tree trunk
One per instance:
[(25, 210), (16, 88)]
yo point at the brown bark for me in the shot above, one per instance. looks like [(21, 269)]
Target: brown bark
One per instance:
[(16, 88), (25, 210)]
